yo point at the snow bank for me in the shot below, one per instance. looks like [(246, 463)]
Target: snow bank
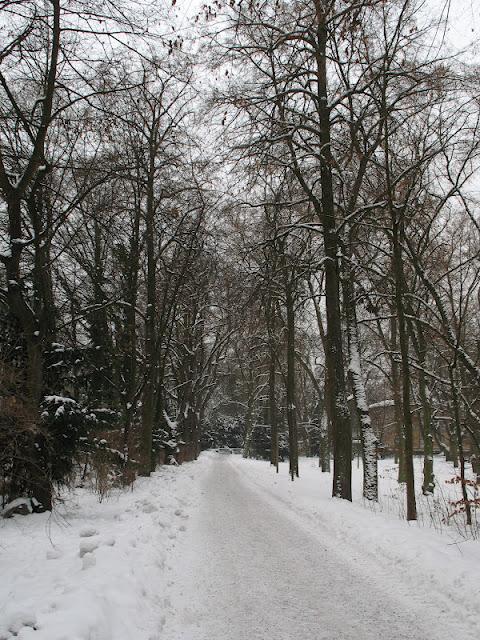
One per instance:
[(96, 571)]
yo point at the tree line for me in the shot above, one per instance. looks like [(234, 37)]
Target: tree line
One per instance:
[(264, 233)]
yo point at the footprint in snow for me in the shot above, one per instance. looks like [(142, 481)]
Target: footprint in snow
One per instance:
[(149, 508), (20, 621), (88, 561), (162, 623), (163, 523), (89, 546), (108, 542), (88, 532)]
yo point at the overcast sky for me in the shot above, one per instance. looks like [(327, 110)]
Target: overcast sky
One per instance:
[(463, 25), (463, 21)]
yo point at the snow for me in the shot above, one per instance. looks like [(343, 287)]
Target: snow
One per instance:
[(91, 570), (18, 502), (60, 400), (172, 424), (382, 403), (225, 547), (266, 557)]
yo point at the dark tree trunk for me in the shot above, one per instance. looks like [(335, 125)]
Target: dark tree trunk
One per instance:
[(397, 400), (291, 391), (130, 335), (428, 485), (458, 432), (341, 425), (272, 408), (325, 420), (148, 406), (400, 290), (100, 389), (35, 449), (34, 454)]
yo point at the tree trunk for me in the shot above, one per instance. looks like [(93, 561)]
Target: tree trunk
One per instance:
[(291, 395), (341, 425), (453, 446), (397, 219), (369, 440), (428, 485), (249, 424), (325, 417), (148, 407), (324, 444), (458, 431), (99, 327), (130, 332), (397, 401), (400, 289), (35, 452), (272, 409)]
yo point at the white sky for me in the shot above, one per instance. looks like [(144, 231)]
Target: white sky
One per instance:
[(462, 32)]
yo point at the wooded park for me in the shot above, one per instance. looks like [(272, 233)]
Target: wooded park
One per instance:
[(268, 217)]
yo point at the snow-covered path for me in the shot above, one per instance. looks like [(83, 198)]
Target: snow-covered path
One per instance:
[(250, 568)]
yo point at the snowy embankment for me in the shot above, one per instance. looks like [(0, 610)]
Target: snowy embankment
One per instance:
[(96, 571)]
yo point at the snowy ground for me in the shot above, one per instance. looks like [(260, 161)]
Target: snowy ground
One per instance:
[(433, 511), (96, 571), (224, 548)]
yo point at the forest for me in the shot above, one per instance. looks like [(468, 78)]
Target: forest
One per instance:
[(247, 224)]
